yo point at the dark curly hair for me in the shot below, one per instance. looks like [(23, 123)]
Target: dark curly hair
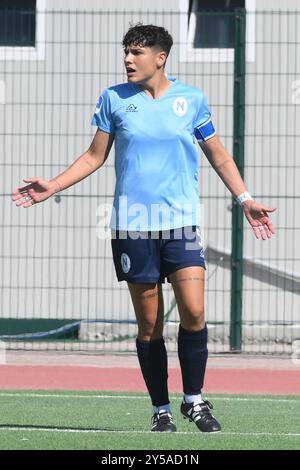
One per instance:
[(148, 36)]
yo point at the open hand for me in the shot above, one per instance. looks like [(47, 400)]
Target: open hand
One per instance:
[(37, 190), (257, 216)]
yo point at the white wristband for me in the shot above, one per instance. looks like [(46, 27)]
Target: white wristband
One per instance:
[(244, 197)]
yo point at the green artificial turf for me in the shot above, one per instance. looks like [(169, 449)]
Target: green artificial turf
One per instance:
[(109, 421)]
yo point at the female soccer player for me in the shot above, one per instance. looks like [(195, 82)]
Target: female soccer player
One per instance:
[(155, 122)]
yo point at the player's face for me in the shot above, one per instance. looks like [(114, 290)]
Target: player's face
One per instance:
[(142, 63)]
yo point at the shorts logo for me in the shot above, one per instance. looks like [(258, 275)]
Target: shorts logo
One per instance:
[(125, 263), (180, 106)]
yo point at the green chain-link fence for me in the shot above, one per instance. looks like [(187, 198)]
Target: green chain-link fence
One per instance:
[(58, 287)]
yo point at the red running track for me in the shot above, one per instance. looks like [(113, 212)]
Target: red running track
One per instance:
[(251, 381)]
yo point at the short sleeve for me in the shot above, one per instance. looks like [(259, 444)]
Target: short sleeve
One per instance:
[(103, 118), (203, 126)]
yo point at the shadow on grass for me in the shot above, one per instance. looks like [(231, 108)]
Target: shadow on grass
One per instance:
[(55, 428)]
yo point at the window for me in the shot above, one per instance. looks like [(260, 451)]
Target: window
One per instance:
[(22, 29), (17, 23), (207, 30), (214, 22)]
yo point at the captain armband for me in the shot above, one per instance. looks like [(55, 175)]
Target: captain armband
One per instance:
[(205, 131)]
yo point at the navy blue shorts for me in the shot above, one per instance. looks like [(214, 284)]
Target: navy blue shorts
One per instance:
[(142, 257)]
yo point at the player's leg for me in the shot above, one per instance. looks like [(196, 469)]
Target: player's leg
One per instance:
[(148, 305), (149, 310), (137, 261), (188, 286), (184, 264)]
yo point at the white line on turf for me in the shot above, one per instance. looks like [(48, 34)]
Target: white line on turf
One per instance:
[(99, 431), (143, 397)]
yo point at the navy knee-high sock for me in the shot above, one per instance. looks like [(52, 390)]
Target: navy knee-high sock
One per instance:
[(192, 353), (153, 361)]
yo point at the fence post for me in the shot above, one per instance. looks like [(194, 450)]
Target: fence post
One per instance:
[(238, 154), (2, 352)]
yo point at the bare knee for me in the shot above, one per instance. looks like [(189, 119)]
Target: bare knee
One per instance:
[(150, 331), (193, 319)]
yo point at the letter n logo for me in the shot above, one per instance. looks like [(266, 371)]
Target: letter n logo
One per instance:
[(180, 106)]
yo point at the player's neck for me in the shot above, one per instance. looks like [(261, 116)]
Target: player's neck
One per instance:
[(155, 88)]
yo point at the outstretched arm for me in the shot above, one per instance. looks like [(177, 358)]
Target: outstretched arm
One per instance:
[(224, 165), (39, 189)]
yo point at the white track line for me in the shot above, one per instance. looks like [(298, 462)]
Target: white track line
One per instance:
[(99, 431), (143, 397)]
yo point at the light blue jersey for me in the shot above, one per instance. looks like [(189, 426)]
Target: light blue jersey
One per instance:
[(157, 158)]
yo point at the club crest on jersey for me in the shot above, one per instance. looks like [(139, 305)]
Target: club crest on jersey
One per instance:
[(131, 109), (180, 106), (125, 263)]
